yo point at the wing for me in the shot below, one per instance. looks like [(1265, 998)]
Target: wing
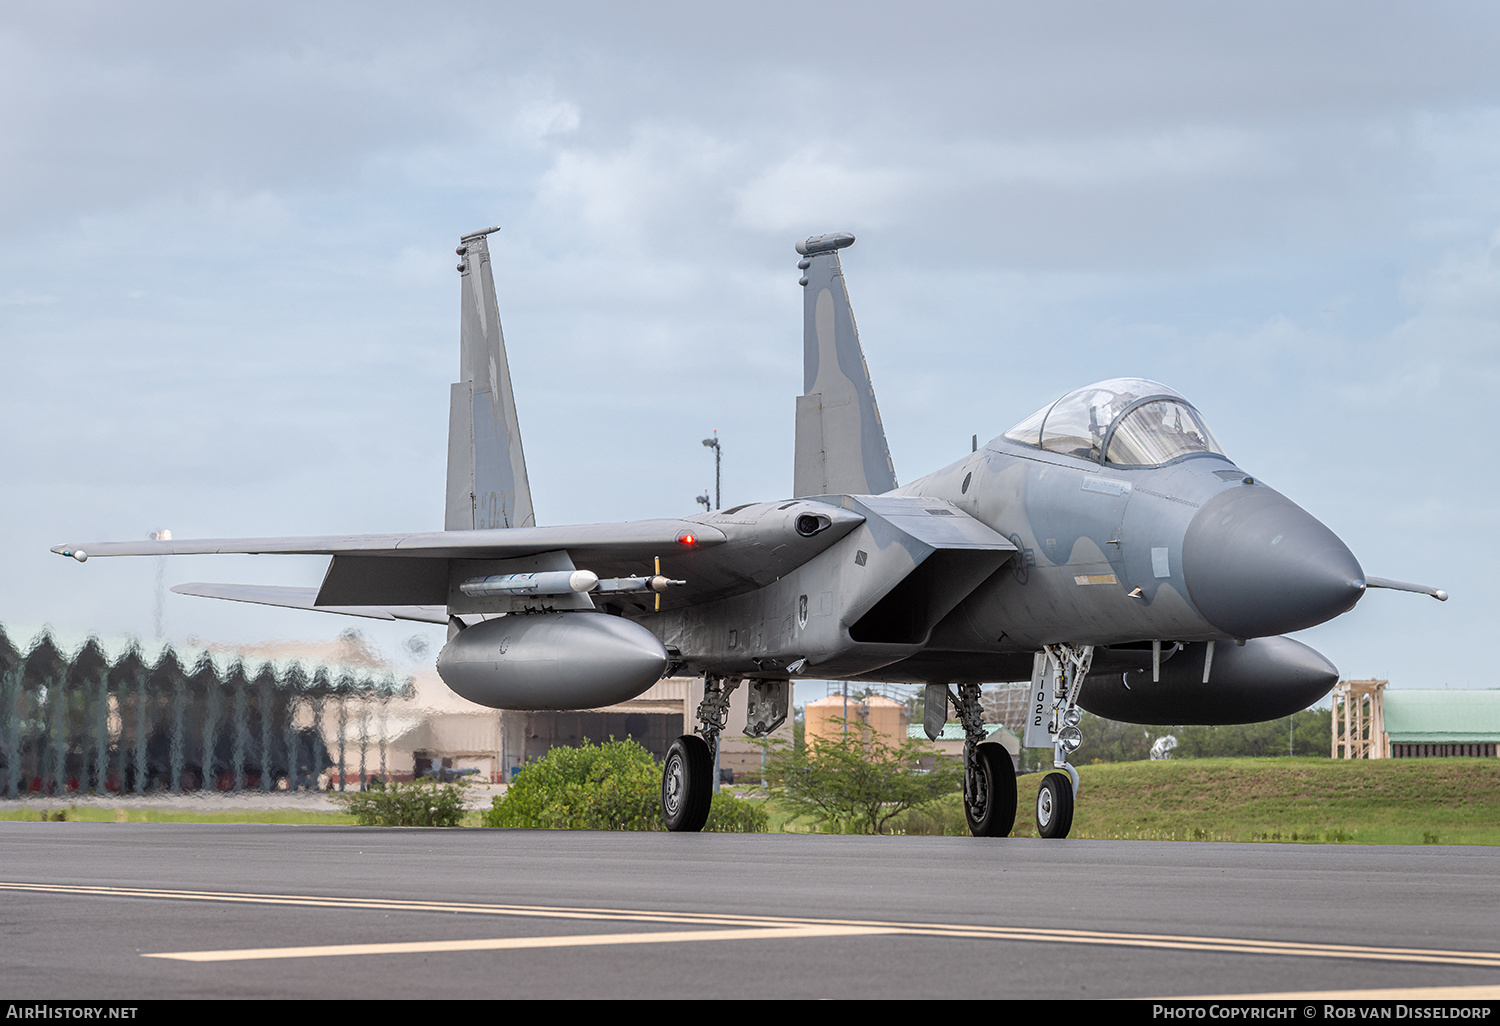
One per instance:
[(639, 539), (306, 598), (751, 547), (406, 570), (716, 554)]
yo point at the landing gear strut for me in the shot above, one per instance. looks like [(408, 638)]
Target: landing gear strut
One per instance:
[(989, 774), (691, 768), (1057, 678)]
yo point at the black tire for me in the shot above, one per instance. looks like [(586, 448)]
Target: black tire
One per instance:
[(992, 813), (687, 784), (1054, 805)]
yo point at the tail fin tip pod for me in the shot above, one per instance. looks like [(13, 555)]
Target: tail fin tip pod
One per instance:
[(841, 446), (487, 483)]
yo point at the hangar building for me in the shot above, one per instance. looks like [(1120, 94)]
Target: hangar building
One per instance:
[(118, 715), (1373, 721)]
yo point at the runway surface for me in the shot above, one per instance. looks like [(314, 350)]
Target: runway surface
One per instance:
[(121, 911)]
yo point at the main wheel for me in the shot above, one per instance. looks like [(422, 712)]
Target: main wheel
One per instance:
[(687, 784), (1054, 805), (990, 792)]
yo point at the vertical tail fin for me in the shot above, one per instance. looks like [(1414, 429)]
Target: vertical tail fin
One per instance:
[(841, 447), (487, 484)]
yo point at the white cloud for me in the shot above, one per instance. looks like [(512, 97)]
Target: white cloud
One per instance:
[(1185, 191), (666, 183), (19, 298), (813, 188), (1188, 152), (544, 119)]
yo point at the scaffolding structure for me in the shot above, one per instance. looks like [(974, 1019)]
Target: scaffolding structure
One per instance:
[(1359, 720)]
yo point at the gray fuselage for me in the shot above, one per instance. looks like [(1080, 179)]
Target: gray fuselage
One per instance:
[(1191, 551)]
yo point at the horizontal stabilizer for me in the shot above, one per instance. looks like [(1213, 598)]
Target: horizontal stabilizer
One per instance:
[(302, 598)]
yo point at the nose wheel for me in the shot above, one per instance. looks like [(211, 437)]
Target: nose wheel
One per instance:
[(1054, 805), (1056, 680)]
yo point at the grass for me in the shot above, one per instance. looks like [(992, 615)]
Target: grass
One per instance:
[(1384, 801), (1280, 800)]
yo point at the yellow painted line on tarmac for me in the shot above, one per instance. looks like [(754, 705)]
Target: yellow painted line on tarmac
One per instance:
[(1483, 992), (396, 904), (725, 926), (518, 943), (1219, 944)]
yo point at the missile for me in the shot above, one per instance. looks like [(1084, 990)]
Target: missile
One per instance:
[(555, 582), (560, 582), (656, 583)]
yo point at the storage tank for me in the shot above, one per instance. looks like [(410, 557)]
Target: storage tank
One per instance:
[(882, 717)]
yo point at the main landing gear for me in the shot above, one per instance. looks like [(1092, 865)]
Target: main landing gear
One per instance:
[(687, 784), (690, 772), (989, 774)]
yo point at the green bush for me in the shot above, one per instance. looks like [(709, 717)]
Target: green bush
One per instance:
[(420, 803), (613, 786), (731, 815), (858, 782)]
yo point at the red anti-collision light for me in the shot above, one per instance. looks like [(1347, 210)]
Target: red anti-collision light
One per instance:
[(687, 538)]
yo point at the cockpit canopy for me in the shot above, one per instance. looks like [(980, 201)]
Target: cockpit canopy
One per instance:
[(1125, 421)]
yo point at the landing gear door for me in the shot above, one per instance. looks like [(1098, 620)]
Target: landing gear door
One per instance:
[(1038, 733)]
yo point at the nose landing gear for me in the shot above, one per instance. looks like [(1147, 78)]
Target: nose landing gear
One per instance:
[(1057, 678)]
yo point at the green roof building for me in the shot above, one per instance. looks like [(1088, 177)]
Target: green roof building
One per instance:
[(1428, 723), (1373, 722)]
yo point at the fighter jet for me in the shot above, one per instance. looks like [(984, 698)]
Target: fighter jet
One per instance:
[(1105, 549)]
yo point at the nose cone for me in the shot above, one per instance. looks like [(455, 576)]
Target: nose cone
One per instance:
[(1257, 565)]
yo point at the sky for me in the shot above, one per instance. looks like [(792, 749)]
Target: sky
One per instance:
[(229, 303)]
